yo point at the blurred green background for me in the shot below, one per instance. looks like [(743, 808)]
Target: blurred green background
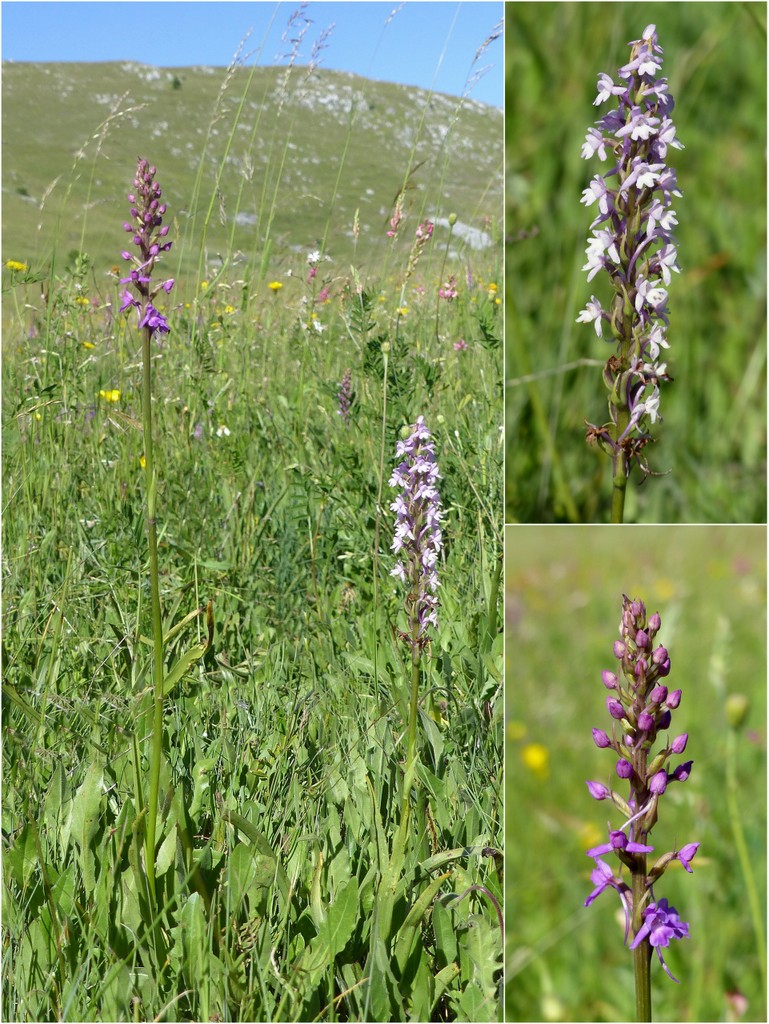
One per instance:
[(564, 589), (714, 432)]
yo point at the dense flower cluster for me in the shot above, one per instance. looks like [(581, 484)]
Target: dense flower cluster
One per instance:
[(640, 706), (148, 236), (418, 537), (448, 291), (632, 239)]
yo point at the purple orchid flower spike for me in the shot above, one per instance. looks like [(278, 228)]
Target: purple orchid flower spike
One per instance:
[(640, 710), (149, 236)]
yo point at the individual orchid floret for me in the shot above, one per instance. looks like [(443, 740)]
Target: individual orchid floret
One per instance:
[(593, 313), (632, 242), (686, 855), (418, 538), (618, 841), (604, 878), (661, 924)]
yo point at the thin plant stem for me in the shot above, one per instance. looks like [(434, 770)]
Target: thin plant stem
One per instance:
[(621, 417), (411, 743), (619, 472), (157, 623), (642, 953)]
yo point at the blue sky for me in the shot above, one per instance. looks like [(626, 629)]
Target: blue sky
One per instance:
[(431, 45)]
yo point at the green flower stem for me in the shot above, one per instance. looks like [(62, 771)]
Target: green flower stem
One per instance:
[(416, 658), (642, 954), (619, 470), (157, 623), (621, 412)]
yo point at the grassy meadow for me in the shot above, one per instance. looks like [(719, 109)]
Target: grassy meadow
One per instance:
[(711, 446), (282, 893), (564, 589)]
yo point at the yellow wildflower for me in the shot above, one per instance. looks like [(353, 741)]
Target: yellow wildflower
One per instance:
[(275, 286), (229, 309), (88, 344), (537, 759), (492, 288), (142, 462), (110, 396), (16, 265), (81, 300)]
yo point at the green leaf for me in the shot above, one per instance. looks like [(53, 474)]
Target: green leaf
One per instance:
[(380, 997), (63, 891), (445, 937), (85, 813), (472, 1006), (166, 853), (85, 820), (251, 877), (418, 988), (22, 856), (433, 735), (339, 925), (407, 934), (443, 979), (481, 959), (57, 809), (261, 845), (193, 932), (185, 662)]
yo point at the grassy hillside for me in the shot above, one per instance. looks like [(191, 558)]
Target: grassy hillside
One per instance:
[(229, 141), (328, 783)]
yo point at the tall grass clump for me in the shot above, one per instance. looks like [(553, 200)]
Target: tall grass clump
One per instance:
[(249, 773)]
